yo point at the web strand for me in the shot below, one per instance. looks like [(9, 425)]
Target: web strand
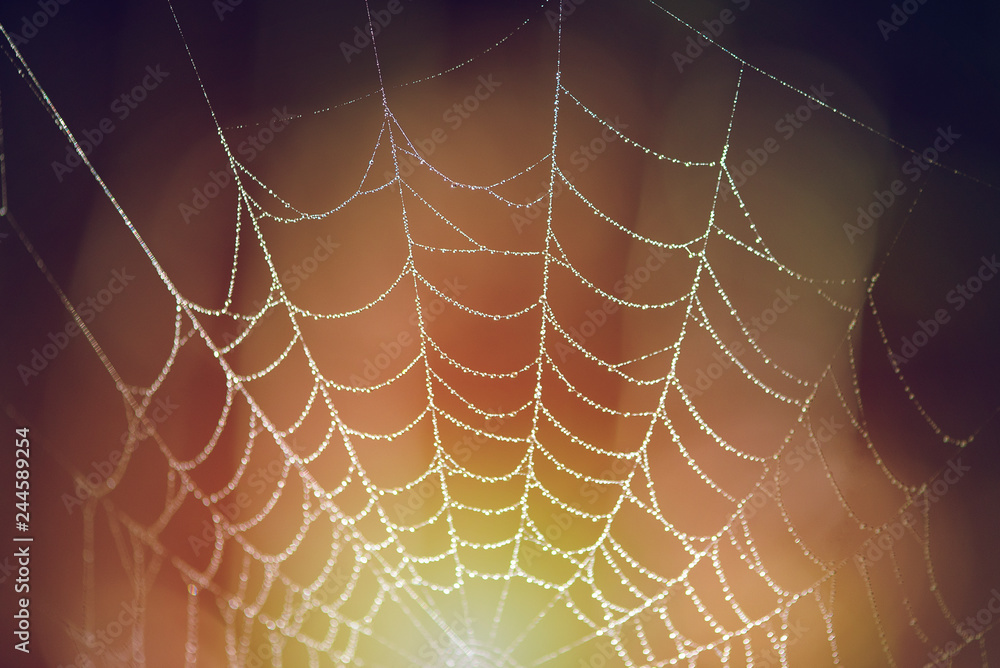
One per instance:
[(374, 570)]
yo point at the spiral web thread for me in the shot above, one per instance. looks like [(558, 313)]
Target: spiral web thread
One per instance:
[(284, 608)]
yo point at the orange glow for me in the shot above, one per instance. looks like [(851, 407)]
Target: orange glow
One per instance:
[(569, 355)]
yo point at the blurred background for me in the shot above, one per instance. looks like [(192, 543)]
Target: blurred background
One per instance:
[(295, 93)]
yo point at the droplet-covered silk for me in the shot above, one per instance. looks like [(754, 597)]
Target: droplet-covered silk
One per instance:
[(552, 358)]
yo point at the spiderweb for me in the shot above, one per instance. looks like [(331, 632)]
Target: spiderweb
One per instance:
[(577, 497)]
